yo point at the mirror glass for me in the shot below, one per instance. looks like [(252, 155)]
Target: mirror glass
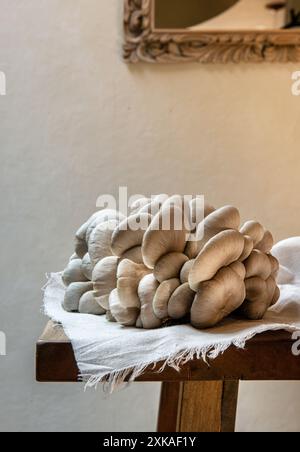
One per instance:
[(219, 15)]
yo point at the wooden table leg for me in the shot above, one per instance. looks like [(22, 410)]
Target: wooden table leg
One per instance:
[(200, 406)]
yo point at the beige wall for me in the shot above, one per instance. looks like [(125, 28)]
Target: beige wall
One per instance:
[(77, 122)]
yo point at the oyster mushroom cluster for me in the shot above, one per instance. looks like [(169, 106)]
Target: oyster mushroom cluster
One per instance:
[(145, 271)]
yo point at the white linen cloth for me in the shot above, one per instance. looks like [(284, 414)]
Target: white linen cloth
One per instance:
[(108, 351)]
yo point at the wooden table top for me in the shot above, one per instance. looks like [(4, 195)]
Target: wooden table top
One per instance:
[(266, 357)]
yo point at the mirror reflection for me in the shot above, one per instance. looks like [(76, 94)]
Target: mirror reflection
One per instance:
[(227, 14)]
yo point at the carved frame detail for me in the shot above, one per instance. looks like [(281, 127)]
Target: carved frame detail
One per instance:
[(144, 43)]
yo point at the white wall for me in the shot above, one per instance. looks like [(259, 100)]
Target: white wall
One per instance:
[(77, 122)]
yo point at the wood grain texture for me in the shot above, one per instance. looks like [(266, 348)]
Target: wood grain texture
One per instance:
[(144, 43), (229, 406), (198, 407), (201, 409), (170, 407)]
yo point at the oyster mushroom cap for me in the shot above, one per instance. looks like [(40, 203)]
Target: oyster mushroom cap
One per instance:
[(84, 232), (87, 267), (266, 244), (222, 250), (124, 316), (129, 234), (73, 273), (103, 300), (226, 218), (109, 317), (260, 296), (276, 296), (164, 236), (74, 293), (103, 216), (248, 248), (80, 247), (134, 255), (139, 323), (146, 291), (80, 244), (217, 298), (130, 269), (180, 302), (200, 210), (74, 257), (105, 276), (81, 233), (254, 230), (162, 297), (273, 290), (129, 276), (169, 266), (239, 269), (89, 305), (258, 264), (274, 265), (100, 241), (185, 271)]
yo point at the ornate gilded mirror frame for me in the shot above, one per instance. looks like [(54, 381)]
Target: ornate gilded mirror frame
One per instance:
[(143, 42)]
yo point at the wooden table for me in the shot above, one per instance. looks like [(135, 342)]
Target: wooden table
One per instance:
[(199, 398)]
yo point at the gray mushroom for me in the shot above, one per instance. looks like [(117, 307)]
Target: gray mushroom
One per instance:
[(89, 305), (169, 266), (123, 315), (254, 230), (100, 241), (73, 273), (129, 234), (134, 255), (266, 244), (87, 267), (258, 264), (146, 291), (217, 298), (185, 271), (223, 219), (162, 297), (220, 251), (162, 237), (74, 293), (105, 279), (181, 302), (260, 296), (129, 276)]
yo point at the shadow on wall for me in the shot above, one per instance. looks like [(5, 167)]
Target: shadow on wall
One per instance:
[(187, 13)]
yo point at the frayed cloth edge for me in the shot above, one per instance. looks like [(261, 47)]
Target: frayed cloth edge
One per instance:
[(120, 378), (115, 380)]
